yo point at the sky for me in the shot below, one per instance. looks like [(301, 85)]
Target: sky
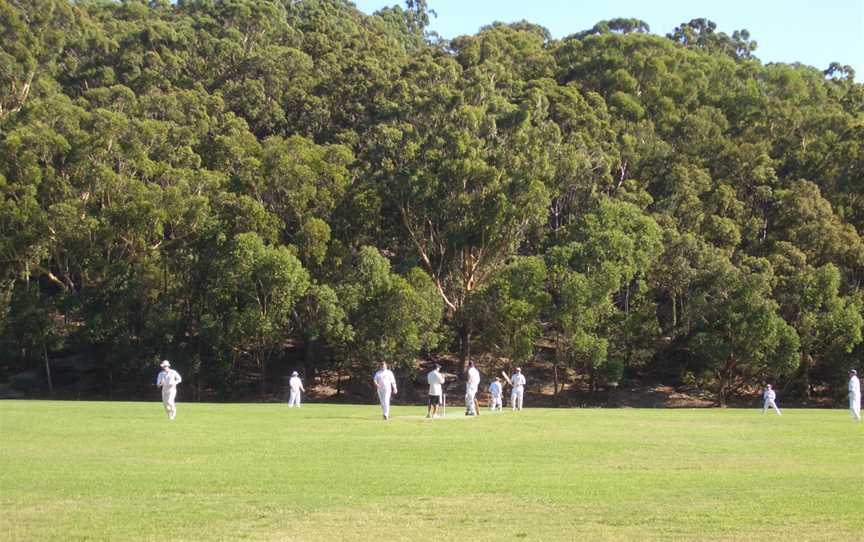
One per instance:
[(814, 32)]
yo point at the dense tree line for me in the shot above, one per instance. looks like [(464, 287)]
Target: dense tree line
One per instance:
[(239, 185)]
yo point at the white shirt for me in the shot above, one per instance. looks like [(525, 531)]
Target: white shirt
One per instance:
[(769, 395), (295, 383), (168, 378), (854, 386), (495, 388), (473, 377), (384, 379), (435, 379), (518, 380)]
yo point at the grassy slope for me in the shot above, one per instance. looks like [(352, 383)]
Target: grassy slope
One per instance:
[(121, 471)]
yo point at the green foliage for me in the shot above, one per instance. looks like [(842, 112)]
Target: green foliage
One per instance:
[(232, 183), (508, 309), (393, 318)]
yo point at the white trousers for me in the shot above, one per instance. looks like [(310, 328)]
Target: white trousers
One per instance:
[(516, 397), (384, 398), (769, 403), (855, 406), (168, 397), (470, 394), (495, 403), (294, 399)]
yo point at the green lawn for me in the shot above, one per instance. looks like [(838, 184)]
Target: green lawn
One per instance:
[(121, 471)]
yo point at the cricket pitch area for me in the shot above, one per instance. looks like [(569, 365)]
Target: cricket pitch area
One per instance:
[(260, 472)]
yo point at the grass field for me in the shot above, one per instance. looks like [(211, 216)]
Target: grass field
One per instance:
[(121, 471)]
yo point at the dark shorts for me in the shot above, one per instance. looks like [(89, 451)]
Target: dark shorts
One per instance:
[(434, 399)]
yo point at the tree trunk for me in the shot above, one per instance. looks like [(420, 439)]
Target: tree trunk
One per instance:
[(555, 378), (310, 358), (721, 390), (464, 346), (263, 364), (674, 311), (48, 370)]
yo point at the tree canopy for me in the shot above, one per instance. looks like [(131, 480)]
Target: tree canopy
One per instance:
[(244, 186)]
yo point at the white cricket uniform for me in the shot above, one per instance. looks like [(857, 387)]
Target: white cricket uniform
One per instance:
[(471, 388), (855, 397), (496, 392), (385, 381), (435, 380), (768, 397), (168, 380), (516, 396), (296, 386)]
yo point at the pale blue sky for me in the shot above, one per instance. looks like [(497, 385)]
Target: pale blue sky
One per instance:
[(815, 32)]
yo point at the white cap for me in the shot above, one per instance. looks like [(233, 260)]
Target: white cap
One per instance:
[(165, 363), (294, 373), (518, 369)]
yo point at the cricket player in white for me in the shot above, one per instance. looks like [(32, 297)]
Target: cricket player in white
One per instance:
[(167, 380), (855, 395), (768, 397), (496, 391), (385, 382), (435, 379), (296, 386), (518, 383), (471, 387)]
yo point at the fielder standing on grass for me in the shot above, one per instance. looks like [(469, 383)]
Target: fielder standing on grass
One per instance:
[(435, 380), (768, 397), (854, 395), (167, 380), (296, 386), (496, 392), (472, 408), (385, 383), (518, 383)]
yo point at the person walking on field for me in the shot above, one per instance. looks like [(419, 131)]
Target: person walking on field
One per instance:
[(385, 383), (167, 380), (518, 383), (768, 397), (496, 391), (296, 386), (854, 395), (472, 408), (435, 380)]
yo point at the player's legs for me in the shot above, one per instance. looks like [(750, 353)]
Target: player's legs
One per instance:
[(776, 408), (171, 405), (855, 407), (470, 403), (520, 397), (384, 398)]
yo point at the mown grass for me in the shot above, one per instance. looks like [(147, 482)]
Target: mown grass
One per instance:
[(121, 471)]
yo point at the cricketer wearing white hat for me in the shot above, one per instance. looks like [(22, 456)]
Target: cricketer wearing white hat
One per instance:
[(854, 395), (385, 384), (768, 397), (518, 383), (167, 380), (296, 386)]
